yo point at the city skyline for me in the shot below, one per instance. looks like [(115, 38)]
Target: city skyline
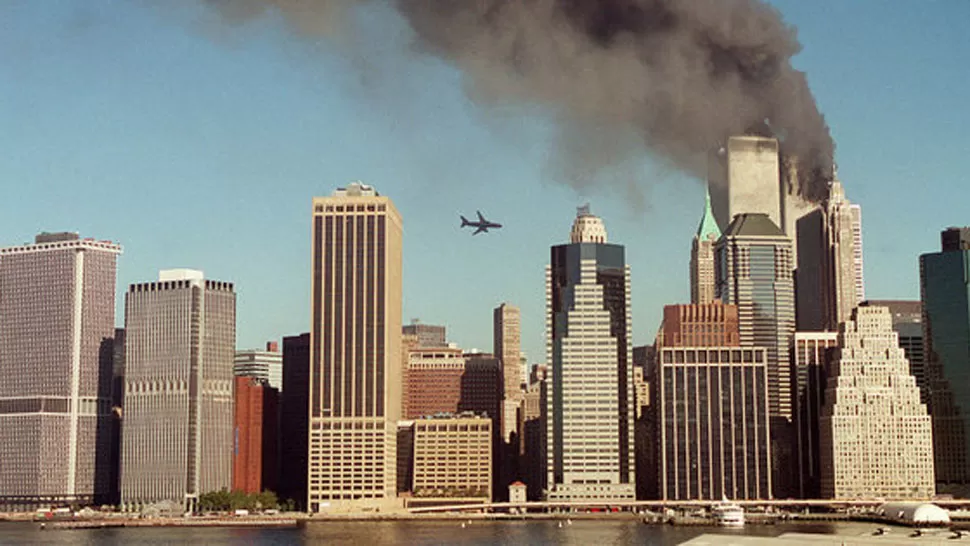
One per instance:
[(122, 152)]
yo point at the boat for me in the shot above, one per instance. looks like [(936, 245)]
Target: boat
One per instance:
[(728, 514)]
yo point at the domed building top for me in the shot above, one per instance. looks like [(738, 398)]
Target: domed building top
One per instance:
[(587, 228)]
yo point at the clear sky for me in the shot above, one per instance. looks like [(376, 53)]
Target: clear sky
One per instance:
[(200, 145)]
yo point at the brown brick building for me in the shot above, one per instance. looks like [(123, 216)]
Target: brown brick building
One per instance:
[(700, 325), (254, 436)]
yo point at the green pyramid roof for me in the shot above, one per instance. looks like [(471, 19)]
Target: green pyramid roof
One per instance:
[(708, 226)]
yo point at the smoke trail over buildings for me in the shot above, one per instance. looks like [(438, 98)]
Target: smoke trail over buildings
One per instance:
[(680, 75)]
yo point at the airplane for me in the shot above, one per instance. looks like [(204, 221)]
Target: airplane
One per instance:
[(482, 225)]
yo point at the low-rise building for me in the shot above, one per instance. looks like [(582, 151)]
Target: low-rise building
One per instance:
[(452, 459)]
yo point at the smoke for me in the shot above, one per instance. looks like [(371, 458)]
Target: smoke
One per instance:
[(675, 77)]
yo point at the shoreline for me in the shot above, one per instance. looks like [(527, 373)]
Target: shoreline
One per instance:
[(296, 520)]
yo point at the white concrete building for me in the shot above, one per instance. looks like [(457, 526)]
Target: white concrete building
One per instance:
[(876, 437), (589, 413), (178, 416), (264, 365)]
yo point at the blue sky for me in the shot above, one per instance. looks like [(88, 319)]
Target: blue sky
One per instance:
[(200, 145)]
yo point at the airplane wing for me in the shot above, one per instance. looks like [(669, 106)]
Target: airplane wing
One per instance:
[(481, 218), (481, 229)]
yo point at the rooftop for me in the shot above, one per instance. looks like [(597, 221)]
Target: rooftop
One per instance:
[(753, 224)]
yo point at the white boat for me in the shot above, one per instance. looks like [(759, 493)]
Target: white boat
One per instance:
[(728, 514)]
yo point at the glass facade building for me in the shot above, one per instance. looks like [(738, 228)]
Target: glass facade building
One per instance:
[(945, 293), (754, 265)]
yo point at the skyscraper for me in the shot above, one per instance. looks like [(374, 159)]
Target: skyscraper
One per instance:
[(57, 312), (754, 271), (876, 437), (255, 438), (355, 349), (294, 420), (262, 364), (945, 293), (828, 272), (711, 403), (713, 423), (180, 342), (702, 256), (811, 356), (589, 413), (744, 177), (506, 338)]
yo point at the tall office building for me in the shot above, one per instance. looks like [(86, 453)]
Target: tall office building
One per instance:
[(178, 430), (255, 435), (713, 422), (428, 335), (294, 420), (828, 272), (754, 272), (261, 364), (945, 293), (876, 436), (589, 413), (811, 355), (506, 338), (702, 256), (57, 312), (355, 349), (744, 178)]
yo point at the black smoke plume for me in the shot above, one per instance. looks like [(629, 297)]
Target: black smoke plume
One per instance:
[(680, 75)]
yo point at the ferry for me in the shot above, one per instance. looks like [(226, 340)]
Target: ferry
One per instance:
[(728, 514)]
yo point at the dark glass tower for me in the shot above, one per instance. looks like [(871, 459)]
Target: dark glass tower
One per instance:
[(945, 292)]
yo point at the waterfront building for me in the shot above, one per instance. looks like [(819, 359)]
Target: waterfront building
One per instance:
[(57, 314), (811, 355), (427, 335), (714, 423), (876, 436), (828, 275), (755, 272), (702, 281), (945, 294), (294, 420), (180, 336), (589, 410), (254, 454), (452, 459), (266, 365), (355, 350)]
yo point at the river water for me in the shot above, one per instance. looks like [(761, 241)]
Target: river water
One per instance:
[(481, 533)]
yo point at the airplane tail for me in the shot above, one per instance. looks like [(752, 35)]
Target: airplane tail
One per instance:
[(464, 221)]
